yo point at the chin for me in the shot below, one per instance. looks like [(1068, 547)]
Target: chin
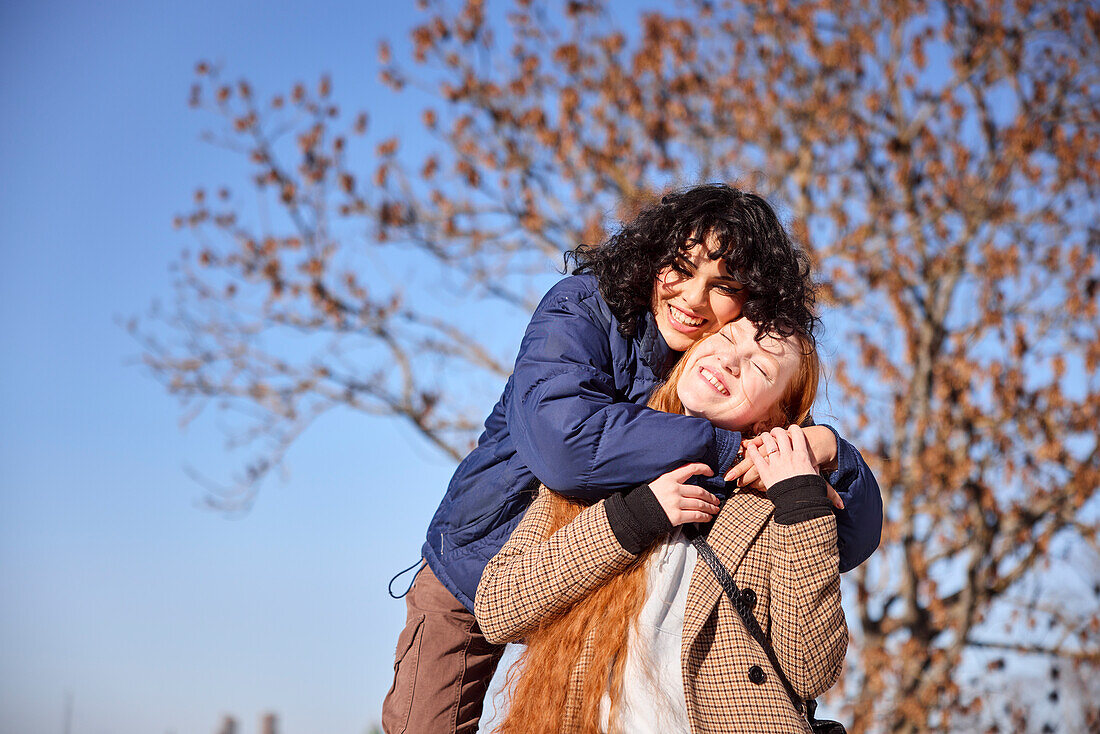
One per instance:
[(700, 406)]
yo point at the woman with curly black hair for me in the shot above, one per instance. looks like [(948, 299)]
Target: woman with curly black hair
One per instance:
[(573, 417), (735, 227)]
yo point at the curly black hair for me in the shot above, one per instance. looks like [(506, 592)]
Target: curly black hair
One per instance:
[(779, 293)]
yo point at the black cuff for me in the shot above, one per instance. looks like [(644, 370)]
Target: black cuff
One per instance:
[(636, 518), (799, 498)]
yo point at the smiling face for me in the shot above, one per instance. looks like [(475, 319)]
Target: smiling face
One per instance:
[(736, 382), (694, 297)]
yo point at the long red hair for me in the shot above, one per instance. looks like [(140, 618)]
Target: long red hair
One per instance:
[(545, 675)]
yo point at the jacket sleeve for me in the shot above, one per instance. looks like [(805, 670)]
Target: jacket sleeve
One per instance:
[(808, 630), (859, 524), (568, 424), (535, 578)]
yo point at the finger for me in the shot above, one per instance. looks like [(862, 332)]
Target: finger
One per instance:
[(753, 476), (755, 440), (687, 503), (687, 516), (758, 484), (768, 444), (737, 471), (688, 471), (690, 490), (834, 496), (782, 441), (751, 479), (799, 442), (758, 461)]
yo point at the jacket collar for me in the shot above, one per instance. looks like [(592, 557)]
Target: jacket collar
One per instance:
[(741, 520), (654, 351)]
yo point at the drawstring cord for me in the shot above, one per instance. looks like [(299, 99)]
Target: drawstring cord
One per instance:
[(421, 563)]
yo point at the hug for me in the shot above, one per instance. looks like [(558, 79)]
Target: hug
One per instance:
[(688, 331)]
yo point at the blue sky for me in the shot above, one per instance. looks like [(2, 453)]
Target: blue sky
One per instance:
[(116, 587)]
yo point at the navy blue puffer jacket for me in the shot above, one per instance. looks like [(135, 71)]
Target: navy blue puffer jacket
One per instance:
[(572, 416)]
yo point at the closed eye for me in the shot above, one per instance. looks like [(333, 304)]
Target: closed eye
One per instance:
[(761, 371)]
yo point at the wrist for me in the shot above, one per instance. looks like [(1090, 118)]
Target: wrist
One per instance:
[(799, 498), (636, 518), (825, 448)]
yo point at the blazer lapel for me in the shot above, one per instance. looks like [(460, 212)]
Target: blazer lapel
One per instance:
[(742, 518)]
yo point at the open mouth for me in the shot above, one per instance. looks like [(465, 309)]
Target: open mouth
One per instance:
[(684, 321), (714, 381)]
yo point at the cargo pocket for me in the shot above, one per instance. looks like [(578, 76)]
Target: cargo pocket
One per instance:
[(398, 705)]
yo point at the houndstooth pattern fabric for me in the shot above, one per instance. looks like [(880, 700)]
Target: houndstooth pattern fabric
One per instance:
[(534, 579), (792, 569)]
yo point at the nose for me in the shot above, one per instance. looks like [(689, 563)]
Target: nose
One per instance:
[(695, 293), (730, 362)]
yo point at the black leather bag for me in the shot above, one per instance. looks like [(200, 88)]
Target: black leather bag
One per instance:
[(807, 708)]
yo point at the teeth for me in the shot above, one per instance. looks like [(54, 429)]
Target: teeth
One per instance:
[(709, 377), (683, 318)]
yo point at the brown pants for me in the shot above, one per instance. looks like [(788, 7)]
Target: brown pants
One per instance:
[(443, 665)]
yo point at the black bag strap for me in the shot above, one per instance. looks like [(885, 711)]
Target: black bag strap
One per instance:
[(739, 602), (737, 599)]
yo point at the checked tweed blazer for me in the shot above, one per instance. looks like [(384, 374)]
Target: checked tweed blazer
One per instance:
[(730, 686)]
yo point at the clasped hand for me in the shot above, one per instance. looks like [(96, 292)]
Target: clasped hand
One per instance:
[(819, 443), (769, 458)]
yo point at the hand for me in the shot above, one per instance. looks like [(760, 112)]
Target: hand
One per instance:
[(684, 503), (823, 448), (823, 451), (784, 454), (743, 473)]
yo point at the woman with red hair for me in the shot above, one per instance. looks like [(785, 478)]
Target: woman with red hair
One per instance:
[(625, 631)]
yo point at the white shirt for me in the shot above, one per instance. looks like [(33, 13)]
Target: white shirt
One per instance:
[(653, 700)]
